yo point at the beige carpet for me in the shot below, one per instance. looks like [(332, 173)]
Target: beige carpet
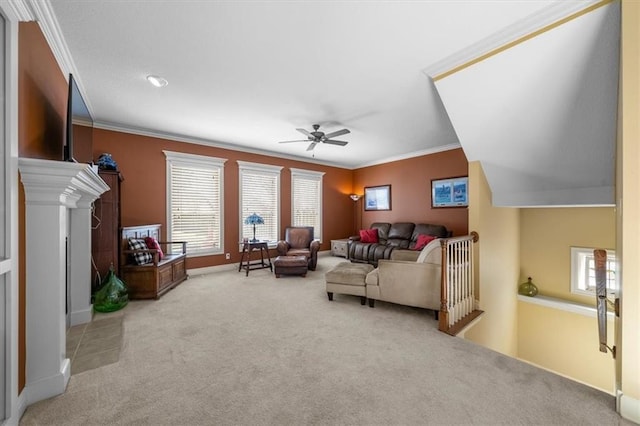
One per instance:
[(225, 349)]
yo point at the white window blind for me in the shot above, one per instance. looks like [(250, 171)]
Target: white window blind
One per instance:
[(306, 200), (260, 194), (195, 186)]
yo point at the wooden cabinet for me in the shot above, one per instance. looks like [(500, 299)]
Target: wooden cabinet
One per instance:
[(340, 248), (105, 235)]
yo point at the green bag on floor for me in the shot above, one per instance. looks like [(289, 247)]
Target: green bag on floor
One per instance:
[(113, 294)]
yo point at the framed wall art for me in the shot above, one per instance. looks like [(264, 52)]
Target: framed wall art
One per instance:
[(451, 192), (377, 197)]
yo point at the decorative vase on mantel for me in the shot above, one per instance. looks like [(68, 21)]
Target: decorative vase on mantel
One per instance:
[(528, 288)]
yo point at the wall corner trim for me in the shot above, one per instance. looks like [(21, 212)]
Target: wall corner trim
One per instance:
[(629, 408)]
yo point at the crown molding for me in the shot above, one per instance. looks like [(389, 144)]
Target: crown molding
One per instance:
[(22, 10), (413, 154), (548, 17), (198, 141), (46, 17)]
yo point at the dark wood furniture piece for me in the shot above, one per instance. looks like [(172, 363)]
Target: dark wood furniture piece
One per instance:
[(151, 280), (105, 244), (249, 247)]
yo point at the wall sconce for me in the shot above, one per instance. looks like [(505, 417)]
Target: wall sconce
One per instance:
[(355, 197)]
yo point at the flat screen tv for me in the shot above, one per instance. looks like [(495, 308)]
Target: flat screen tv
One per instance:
[(79, 141)]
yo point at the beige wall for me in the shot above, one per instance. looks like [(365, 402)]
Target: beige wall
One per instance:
[(565, 343), (546, 238), (628, 186), (497, 266)]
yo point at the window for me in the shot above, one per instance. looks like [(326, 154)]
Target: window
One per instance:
[(194, 202), (583, 271), (306, 200), (260, 194)]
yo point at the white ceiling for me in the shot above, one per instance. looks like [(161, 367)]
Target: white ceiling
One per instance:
[(246, 74)]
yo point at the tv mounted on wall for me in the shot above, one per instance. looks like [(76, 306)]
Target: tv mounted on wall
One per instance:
[(79, 141)]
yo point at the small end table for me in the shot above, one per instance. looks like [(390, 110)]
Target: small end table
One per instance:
[(249, 247)]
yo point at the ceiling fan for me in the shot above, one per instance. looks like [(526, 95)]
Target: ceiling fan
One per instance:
[(317, 137)]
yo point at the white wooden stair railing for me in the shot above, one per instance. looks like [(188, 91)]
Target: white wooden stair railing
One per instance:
[(457, 289)]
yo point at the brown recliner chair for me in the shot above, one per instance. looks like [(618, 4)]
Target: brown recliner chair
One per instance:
[(298, 241)]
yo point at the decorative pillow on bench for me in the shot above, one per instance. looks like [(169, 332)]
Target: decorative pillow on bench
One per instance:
[(152, 243), (141, 258)]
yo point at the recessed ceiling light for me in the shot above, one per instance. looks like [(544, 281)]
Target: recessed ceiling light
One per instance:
[(157, 81)]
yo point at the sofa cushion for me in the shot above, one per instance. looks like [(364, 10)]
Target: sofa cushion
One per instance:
[(423, 240), (427, 229), (369, 235), (383, 231), (401, 230), (431, 253)]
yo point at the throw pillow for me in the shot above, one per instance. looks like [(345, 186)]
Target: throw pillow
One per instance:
[(141, 258), (369, 235), (152, 243), (423, 240)]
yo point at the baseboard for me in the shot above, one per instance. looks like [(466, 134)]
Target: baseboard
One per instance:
[(629, 408), (231, 266), (49, 386), (81, 317), (211, 269)]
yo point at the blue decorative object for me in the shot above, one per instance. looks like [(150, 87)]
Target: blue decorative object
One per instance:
[(105, 162), (254, 220)]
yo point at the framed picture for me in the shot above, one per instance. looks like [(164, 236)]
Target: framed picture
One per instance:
[(451, 192), (377, 197)]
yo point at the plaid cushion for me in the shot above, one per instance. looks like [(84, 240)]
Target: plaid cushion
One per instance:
[(141, 258)]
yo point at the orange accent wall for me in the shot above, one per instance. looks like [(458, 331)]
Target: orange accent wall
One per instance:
[(410, 182), (143, 192), (43, 92)]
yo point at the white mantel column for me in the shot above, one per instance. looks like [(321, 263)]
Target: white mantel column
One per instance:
[(51, 189), (80, 307)]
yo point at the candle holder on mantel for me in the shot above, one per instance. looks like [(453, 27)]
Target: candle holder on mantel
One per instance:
[(528, 288)]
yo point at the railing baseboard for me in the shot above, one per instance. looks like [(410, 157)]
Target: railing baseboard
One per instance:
[(460, 325)]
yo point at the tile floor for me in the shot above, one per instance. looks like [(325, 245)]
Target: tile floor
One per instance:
[(96, 343)]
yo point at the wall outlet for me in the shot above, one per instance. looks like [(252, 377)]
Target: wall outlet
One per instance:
[(227, 256)]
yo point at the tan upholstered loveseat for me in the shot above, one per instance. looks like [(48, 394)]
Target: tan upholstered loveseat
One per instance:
[(411, 283)]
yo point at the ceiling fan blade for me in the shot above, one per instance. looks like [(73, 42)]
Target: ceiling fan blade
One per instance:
[(334, 142), (337, 133), (300, 140), (305, 132), (311, 146)]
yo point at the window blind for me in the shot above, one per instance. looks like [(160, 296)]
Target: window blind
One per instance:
[(306, 200), (195, 194), (260, 194)]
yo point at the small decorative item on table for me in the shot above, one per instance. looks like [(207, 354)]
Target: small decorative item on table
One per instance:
[(528, 288)]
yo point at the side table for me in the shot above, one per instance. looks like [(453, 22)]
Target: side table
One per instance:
[(249, 247), (340, 248)]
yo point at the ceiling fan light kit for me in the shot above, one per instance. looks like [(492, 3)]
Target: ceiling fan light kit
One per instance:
[(317, 136)]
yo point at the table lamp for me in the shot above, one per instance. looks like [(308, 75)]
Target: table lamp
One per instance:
[(254, 220)]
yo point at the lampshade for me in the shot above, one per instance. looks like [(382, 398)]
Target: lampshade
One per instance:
[(354, 197), (254, 219)]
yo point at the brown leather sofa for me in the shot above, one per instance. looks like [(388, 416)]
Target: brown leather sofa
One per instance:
[(400, 235), (299, 241)]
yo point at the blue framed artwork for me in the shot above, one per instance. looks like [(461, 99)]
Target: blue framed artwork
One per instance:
[(451, 192), (377, 197)]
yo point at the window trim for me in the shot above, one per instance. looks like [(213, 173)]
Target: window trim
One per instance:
[(315, 176), (181, 158), (276, 171), (578, 273)]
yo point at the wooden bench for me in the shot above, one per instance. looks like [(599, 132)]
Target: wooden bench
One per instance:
[(152, 280)]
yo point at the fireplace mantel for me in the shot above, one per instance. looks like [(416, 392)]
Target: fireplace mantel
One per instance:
[(59, 196)]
